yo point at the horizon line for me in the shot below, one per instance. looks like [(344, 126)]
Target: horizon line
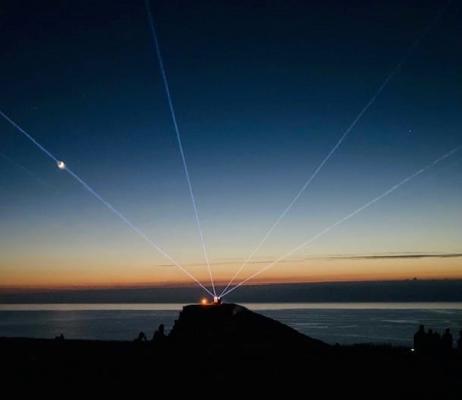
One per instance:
[(140, 286)]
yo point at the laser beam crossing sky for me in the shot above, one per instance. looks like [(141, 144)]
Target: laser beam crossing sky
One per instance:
[(262, 93)]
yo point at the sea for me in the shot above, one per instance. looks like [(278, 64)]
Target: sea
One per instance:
[(343, 323)]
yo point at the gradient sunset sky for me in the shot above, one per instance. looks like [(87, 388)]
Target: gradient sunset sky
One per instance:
[(262, 91)]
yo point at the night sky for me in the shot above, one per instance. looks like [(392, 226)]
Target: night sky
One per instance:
[(262, 91)]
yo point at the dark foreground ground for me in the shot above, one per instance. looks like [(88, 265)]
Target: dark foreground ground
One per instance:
[(226, 351)]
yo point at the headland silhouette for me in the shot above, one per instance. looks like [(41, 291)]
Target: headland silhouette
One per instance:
[(228, 348)]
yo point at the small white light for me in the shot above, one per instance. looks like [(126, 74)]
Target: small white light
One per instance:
[(61, 165)]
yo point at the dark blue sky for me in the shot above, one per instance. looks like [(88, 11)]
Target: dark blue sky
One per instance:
[(262, 91)]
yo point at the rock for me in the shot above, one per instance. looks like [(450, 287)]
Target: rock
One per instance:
[(232, 326)]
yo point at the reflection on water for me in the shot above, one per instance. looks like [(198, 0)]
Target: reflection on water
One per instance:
[(332, 322)]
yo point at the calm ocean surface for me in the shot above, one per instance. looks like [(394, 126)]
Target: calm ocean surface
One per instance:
[(343, 323)]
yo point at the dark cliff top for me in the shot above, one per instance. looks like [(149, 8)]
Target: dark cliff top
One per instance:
[(236, 326)]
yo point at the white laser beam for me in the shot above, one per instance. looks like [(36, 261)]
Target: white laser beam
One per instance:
[(180, 143), (326, 230), (342, 138), (61, 165)]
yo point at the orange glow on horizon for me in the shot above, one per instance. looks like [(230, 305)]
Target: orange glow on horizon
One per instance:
[(63, 276)]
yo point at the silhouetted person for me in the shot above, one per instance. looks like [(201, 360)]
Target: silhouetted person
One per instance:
[(159, 334), (429, 341), (141, 337), (446, 341), (60, 337), (419, 339), (436, 342)]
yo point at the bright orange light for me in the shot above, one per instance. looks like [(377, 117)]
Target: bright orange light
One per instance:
[(204, 301)]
